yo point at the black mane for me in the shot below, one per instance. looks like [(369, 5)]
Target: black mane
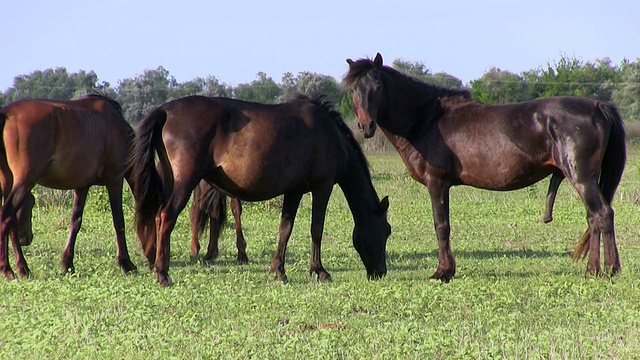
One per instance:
[(321, 100), (360, 67), (114, 103)]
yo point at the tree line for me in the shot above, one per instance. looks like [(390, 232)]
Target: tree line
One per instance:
[(601, 79)]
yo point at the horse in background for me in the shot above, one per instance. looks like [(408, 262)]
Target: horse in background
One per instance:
[(445, 139), (254, 152), (62, 145), (209, 206)]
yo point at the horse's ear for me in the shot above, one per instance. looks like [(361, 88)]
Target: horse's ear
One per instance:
[(377, 62), (350, 62), (384, 203)]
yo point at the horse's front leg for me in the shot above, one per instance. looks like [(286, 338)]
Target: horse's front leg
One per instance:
[(318, 213), (439, 193), (79, 200), (290, 205), (115, 201)]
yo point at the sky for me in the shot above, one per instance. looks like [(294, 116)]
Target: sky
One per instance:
[(233, 40)]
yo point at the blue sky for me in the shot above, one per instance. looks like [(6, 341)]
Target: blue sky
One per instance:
[(234, 40)]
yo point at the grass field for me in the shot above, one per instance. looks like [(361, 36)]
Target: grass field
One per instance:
[(517, 292)]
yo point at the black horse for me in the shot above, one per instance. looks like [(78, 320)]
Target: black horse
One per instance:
[(254, 152), (445, 139)]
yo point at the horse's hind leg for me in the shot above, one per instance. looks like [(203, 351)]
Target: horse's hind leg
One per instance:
[(290, 205), (166, 221), (115, 201), (79, 200), (554, 184), (241, 244), (600, 219), (8, 225)]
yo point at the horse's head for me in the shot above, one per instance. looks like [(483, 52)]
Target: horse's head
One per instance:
[(370, 241), (25, 233), (369, 94)]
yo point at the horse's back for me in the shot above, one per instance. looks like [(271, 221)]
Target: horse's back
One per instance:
[(66, 144), (506, 147), (256, 151)]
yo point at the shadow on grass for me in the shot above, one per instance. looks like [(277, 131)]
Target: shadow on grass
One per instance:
[(482, 254), (417, 261)]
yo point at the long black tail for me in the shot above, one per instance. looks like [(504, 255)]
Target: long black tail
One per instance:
[(210, 203), (615, 158), (148, 185)]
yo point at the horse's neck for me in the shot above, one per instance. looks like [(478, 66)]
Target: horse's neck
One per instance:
[(358, 190), (415, 161), (406, 112)]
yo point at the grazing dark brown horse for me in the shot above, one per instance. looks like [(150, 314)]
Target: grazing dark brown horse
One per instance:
[(209, 206), (254, 152), (445, 139), (61, 145)]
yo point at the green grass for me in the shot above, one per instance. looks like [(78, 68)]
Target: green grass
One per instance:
[(517, 292)]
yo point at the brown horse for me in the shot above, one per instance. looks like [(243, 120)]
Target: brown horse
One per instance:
[(62, 145), (209, 206), (445, 139), (254, 152)]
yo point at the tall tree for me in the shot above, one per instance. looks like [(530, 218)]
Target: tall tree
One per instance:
[(263, 90), (420, 71), (311, 84), (141, 94), (499, 87), (414, 68), (626, 94), (213, 87), (572, 76), (56, 84)]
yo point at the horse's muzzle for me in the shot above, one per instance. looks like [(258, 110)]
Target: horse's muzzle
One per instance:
[(368, 130)]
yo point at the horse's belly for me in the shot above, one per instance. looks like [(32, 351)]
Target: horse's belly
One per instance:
[(259, 184), (57, 176), (506, 178)]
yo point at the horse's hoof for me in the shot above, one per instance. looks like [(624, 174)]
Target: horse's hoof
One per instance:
[(612, 270), (282, 278), (194, 252), (68, 270), (325, 278), (594, 274), (9, 275), (24, 272), (127, 266), (164, 281), (443, 277), (242, 259)]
